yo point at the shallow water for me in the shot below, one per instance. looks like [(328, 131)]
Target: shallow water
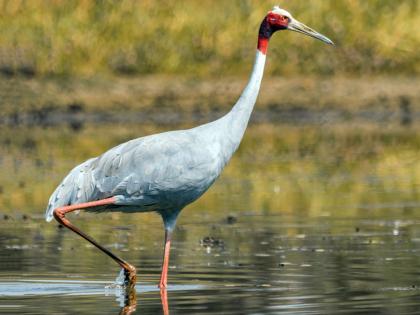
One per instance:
[(305, 220)]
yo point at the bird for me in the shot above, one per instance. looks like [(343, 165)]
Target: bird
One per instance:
[(167, 171)]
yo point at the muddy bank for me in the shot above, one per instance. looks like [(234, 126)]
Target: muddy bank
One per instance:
[(177, 100)]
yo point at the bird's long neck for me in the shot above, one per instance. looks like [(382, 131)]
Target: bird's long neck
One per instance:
[(237, 119), (242, 110), (227, 132)]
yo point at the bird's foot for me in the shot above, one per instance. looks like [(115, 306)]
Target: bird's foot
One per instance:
[(130, 276), (126, 278)]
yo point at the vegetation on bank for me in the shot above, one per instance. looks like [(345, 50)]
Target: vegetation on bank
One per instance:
[(206, 38), (173, 100)]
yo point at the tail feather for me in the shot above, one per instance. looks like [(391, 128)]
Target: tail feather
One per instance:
[(60, 197), (69, 191)]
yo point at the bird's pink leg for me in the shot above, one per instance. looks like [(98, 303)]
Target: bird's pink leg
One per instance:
[(60, 216), (164, 276)]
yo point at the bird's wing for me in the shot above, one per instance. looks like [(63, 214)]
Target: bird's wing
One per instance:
[(143, 171), (144, 163), (156, 170)]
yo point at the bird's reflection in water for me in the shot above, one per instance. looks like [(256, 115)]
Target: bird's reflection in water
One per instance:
[(164, 300), (129, 297)]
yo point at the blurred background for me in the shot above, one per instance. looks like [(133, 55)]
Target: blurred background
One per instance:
[(205, 38), (331, 152)]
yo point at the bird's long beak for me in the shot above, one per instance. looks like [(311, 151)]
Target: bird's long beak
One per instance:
[(299, 27)]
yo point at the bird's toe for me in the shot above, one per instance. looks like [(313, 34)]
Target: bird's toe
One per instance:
[(130, 276)]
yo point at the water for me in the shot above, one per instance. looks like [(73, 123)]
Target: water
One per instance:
[(305, 220)]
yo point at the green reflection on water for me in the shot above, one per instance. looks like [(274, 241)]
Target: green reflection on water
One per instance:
[(311, 170)]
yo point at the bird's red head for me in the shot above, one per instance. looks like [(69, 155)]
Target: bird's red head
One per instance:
[(275, 20), (279, 19)]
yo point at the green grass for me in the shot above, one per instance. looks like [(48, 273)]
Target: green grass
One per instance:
[(205, 38)]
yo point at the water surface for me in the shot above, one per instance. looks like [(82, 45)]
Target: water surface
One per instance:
[(305, 220)]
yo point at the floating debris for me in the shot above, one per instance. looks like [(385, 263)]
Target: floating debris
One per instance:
[(231, 219), (211, 242), (262, 255)]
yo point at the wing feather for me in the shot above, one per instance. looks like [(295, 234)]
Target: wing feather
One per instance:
[(165, 170)]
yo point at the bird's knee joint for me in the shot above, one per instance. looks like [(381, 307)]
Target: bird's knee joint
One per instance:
[(58, 214), (131, 269)]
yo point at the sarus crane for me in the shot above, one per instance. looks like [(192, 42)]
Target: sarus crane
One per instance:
[(165, 172)]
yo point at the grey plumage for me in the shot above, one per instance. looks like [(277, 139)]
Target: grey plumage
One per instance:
[(144, 172)]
